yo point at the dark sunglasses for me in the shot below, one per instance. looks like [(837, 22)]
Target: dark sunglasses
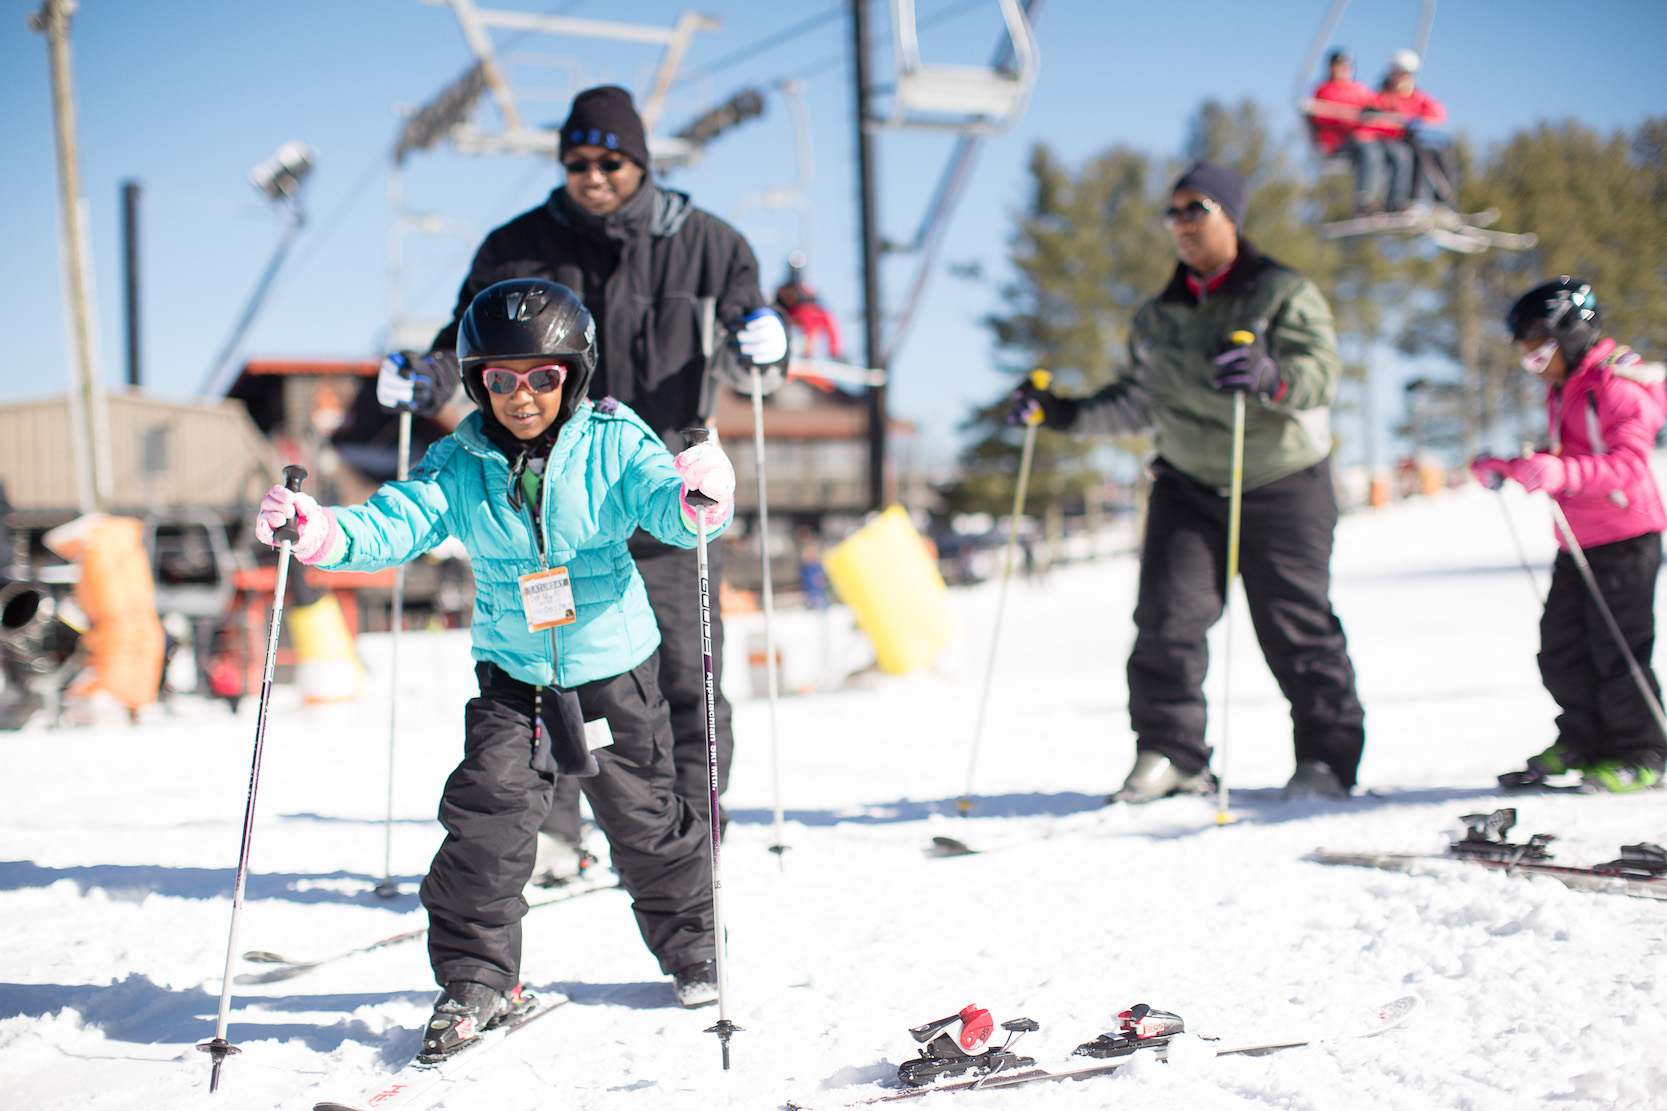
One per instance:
[(1190, 213), (610, 165), (541, 379)]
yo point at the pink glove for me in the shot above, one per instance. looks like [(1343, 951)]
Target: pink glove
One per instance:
[(320, 535), (1540, 471), (704, 467), (1489, 471)]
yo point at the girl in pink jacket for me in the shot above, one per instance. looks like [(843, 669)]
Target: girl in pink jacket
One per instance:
[(1605, 406)]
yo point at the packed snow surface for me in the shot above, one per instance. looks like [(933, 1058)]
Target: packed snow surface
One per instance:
[(121, 843)]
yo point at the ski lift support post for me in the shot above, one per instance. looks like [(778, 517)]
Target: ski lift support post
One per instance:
[(517, 137), (987, 100)]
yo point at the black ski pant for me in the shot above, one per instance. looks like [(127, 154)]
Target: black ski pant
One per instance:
[(672, 578), (493, 804), (1604, 715), (1285, 539)]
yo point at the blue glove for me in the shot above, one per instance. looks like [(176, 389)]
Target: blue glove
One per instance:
[(760, 337), (406, 382)]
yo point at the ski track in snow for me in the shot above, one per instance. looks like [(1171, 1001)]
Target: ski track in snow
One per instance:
[(120, 844)]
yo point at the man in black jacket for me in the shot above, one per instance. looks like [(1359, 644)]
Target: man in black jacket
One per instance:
[(675, 295)]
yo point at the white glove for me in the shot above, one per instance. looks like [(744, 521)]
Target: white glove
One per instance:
[(761, 338), (405, 382)]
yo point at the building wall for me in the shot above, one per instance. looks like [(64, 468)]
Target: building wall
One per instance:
[(164, 454)]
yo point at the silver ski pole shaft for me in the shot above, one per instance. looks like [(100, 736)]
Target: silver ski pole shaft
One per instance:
[(1522, 554), (1039, 379), (387, 889), (724, 1028), (771, 679), (219, 1048), (1235, 504), (1579, 557)]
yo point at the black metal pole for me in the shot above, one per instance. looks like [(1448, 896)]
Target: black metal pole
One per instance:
[(870, 258), (130, 266)]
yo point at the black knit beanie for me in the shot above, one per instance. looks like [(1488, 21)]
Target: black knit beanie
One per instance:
[(605, 117), (1222, 185)]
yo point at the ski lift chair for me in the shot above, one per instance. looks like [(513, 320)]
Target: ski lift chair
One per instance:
[(1334, 162), (982, 99)]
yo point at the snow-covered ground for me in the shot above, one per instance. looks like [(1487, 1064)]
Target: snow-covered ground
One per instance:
[(120, 844)]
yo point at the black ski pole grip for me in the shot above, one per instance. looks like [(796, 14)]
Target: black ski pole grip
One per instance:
[(697, 435), (292, 482)]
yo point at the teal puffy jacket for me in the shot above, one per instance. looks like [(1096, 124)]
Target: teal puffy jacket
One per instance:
[(607, 476)]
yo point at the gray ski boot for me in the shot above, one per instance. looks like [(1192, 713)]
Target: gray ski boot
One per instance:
[(1156, 777)]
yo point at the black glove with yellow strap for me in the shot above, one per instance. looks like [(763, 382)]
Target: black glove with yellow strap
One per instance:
[(1034, 404), (1245, 364)]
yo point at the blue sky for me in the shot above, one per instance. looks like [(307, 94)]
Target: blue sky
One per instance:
[(186, 95)]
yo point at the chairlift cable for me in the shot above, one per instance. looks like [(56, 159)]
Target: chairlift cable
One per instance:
[(941, 16), (333, 222), (774, 39)]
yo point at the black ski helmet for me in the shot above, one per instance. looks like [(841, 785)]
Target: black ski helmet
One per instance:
[(528, 318), (1564, 310)]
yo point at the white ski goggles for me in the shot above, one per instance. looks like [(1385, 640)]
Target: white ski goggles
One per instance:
[(1535, 361)]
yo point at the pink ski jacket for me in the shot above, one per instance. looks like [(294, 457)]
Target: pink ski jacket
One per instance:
[(1603, 422)]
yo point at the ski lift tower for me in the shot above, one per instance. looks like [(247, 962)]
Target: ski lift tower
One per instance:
[(972, 101)]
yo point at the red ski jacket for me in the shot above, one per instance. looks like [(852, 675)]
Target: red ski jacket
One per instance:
[(1416, 105), (1330, 131)]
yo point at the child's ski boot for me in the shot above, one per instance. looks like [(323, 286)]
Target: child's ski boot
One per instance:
[(465, 1011)]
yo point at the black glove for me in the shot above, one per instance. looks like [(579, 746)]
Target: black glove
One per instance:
[(1248, 366), (1058, 413)]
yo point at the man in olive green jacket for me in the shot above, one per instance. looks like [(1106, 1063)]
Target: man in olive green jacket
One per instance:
[(1231, 320)]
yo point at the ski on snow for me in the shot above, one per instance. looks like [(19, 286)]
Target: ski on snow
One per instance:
[(1143, 1029), (420, 1077), (289, 969), (1641, 870)]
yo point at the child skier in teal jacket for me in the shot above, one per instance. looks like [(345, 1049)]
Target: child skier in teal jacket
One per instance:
[(543, 487)]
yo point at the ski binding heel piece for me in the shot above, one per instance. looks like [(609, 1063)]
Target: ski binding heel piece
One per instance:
[(1139, 1027), (1644, 860), (950, 1052), (1484, 838)]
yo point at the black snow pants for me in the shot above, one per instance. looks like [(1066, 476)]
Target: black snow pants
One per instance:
[(493, 804), (1285, 539), (1604, 716), (671, 577)]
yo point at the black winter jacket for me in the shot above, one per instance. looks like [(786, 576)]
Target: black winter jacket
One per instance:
[(645, 272)]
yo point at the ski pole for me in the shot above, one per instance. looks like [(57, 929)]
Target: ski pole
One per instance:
[(780, 847), (1235, 504), (1516, 540), (388, 889), (286, 534), (724, 1028), (1579, 557), (1039, 379)]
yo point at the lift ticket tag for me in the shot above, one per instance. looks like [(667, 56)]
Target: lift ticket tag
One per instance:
[(547, 599)]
